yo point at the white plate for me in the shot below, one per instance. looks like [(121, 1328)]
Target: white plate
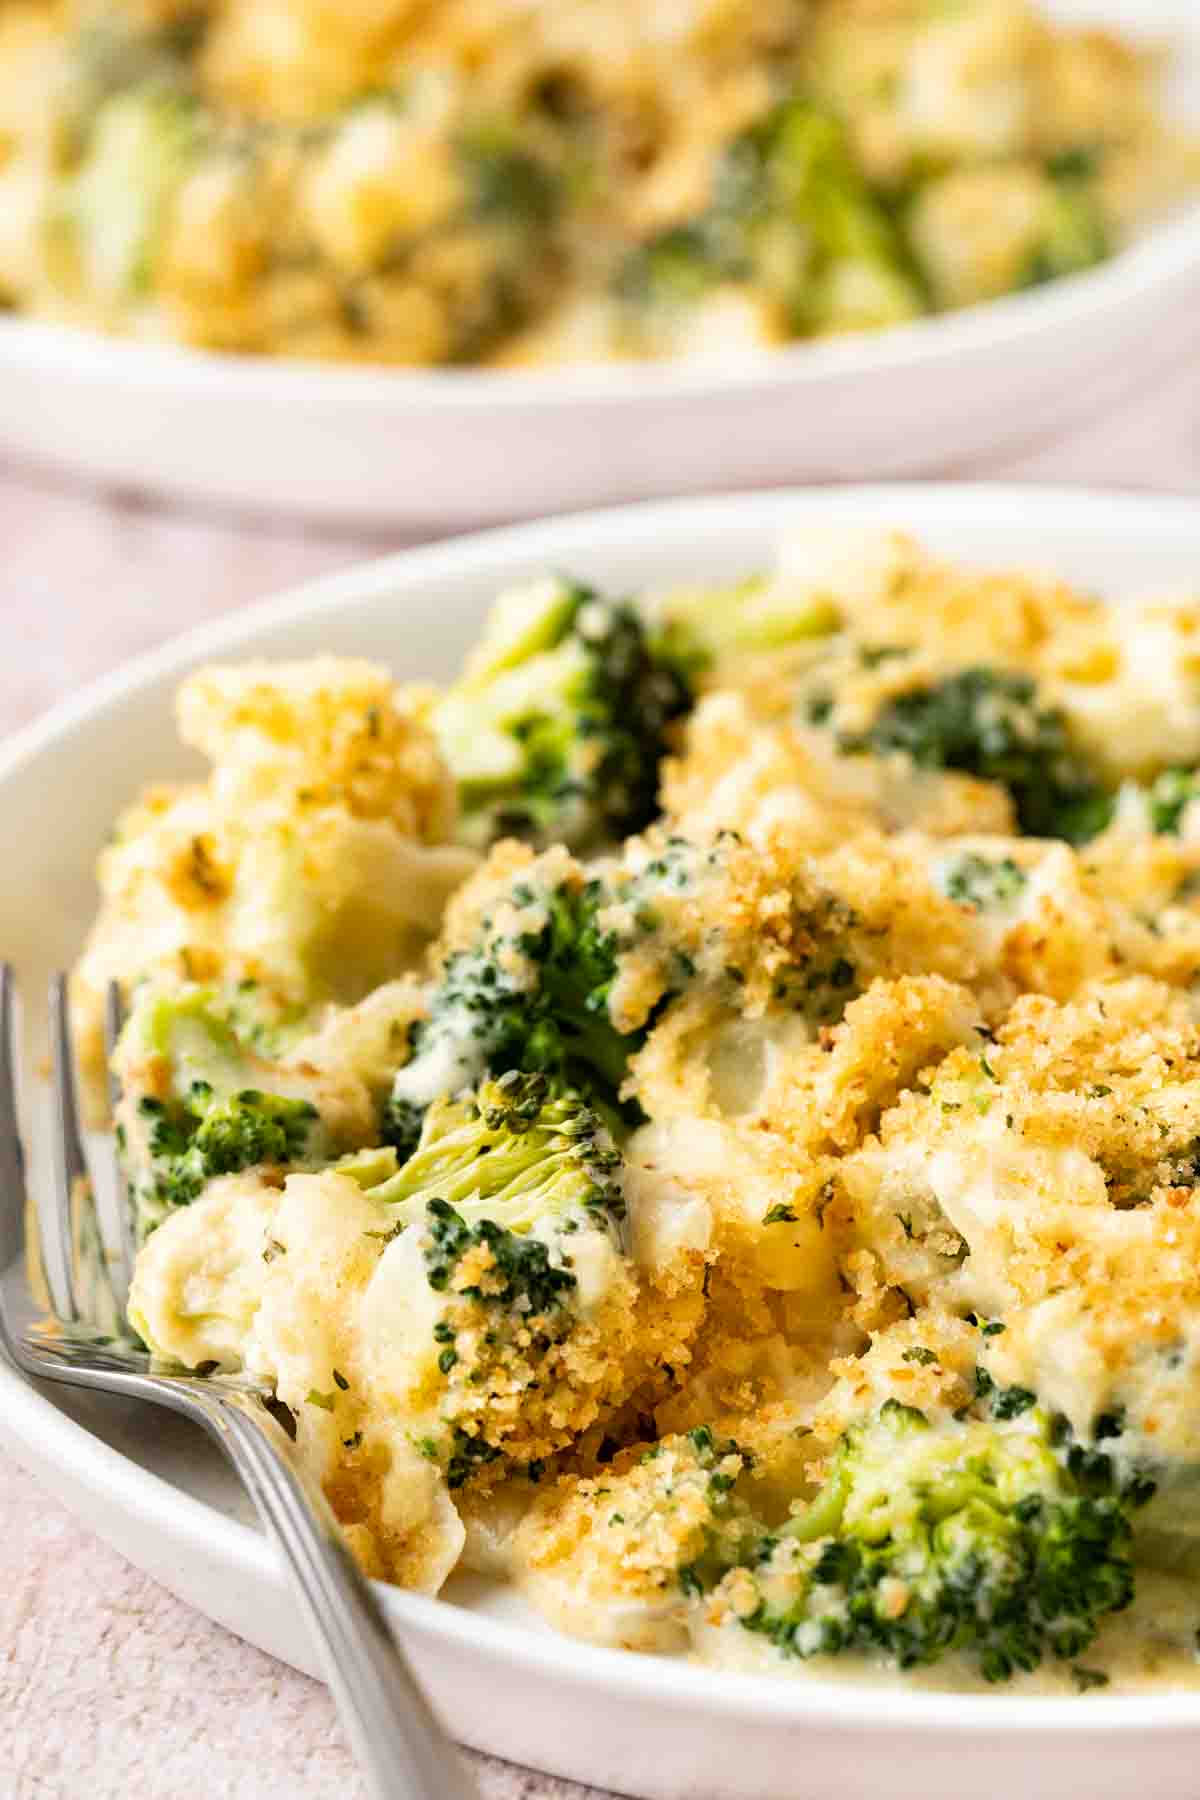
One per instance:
[(503, 1681), (454, 447)]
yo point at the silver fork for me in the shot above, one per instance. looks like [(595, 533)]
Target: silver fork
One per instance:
[(401, 1749)]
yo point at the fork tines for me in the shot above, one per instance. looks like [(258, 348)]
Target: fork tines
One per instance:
[(69, 1213), (70, 1160), (114, 1020)]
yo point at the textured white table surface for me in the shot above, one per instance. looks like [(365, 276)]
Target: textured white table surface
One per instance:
[(108, 1685)]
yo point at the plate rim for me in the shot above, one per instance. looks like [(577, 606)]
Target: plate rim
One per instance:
[(28, 1416)]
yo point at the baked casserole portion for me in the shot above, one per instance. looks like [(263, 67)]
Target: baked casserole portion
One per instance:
[(462, 181)]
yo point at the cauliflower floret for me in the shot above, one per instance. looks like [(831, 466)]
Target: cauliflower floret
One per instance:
[(274, 1281), (948, 609), (309, 868), (197, 1291), (1130, 686), (828, 1096), (330, 729), (368, 1042), (1025, 1164), (385, 177), (928, 1362), (296, 59), (763, 954), (1094, 88), (1044, 920), (214, 245), (617, 1557), (967, 89), (705, 1186), (738, 774), (982, 232)]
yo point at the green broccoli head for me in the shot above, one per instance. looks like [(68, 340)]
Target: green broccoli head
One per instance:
[(141, 145), (1074, 234), (530, 997), (990, 723), (514, 1151), (509, 223), (706, 627), (791, 215), (508, 1258), (1169, 797), (114, 52), (521, 1272), (197, 1137), (507, 184), (791, 202), (193, 1106), (556, 729), (993, 1536), (670, 272)]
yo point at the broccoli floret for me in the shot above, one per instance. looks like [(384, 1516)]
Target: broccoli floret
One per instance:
[(1169, 797), (198, 1137), (519, 1267), (509, 1211), (531, 997), (113, 53), (791, 214), (990, 723), (556, 729), (790, 201), (992, 1535), (547, 1151), (193, 1107), (508, 227), (670, 272), (506, 183), (982, 882), (1074, 235), (703, 627), (141, 145)]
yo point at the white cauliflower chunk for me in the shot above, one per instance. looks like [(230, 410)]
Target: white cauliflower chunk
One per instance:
[(275, 1282), (312, 864)]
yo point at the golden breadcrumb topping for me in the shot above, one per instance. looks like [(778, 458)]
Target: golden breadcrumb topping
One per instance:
[(602, 1203)]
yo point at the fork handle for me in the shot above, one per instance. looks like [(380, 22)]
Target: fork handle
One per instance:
[(402, 1750)]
